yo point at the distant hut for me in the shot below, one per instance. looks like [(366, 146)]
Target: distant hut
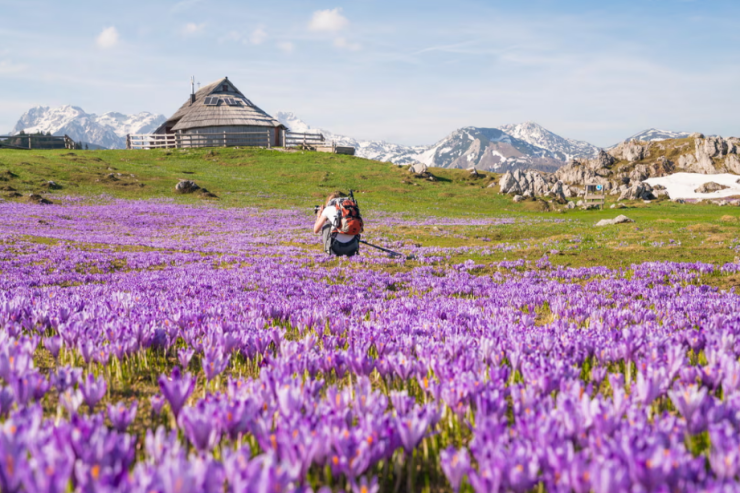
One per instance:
[(220, 115)]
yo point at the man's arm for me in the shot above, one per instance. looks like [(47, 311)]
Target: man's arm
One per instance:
[(320, 220)]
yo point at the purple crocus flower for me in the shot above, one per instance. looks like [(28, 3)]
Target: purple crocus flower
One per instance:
[(201, 426), (366, 487), (184, 356), (455, 464), (214, 362), (71, 399), (66, 377), (688, 401), (157, 402), (7, 398), (121, 416), (177, 389), (54, 345), (93, 389)]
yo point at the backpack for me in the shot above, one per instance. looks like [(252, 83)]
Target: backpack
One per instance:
[(348, 221)]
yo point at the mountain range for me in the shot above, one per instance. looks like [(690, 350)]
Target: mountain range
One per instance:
[(108, 130), (508, 147)]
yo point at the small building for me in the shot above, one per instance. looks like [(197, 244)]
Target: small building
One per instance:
[(219, 114)]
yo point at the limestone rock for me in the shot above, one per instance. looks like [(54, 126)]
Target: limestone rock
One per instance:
[(710, 187), (620, 219), (571, 205), (639, 191), (418, 168), (518, 198)]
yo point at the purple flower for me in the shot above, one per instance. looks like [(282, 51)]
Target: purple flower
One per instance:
[(177, 389), (184, 356), (214, 362), (365, 486), (455, 464), (53, 345), (71, 399), (201, 426), (66, 377), (93, 390), (688, 401), (157, 402), (121, 416)]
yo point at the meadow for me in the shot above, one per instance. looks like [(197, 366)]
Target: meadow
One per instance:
[(166, 343)]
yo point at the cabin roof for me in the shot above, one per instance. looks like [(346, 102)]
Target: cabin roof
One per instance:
[(196, 114)]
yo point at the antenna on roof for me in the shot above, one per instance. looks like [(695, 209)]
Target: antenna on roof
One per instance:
[(192, 89)]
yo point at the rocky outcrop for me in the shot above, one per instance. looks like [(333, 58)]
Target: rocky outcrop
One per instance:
[(623, 168), (530, 184), (639, 191)]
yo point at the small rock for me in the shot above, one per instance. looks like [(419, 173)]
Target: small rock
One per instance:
[(617, 220), (38, 199), (186, 186), (710, 187), (580, 203), (518, 198), (613, 206), (571, 205)]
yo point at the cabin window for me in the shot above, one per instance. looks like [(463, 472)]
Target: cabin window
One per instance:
[(225, 88)]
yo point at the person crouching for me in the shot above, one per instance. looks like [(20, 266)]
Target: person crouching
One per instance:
[(340, 225)]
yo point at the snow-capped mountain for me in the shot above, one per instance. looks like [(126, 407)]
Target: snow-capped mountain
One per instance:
[(485, 148), (108, 130), (653, 134), (565, 149), (488, 149)]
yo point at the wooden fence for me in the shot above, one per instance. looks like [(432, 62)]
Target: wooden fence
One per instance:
[(31, 141), (179, 141), (261, 138)]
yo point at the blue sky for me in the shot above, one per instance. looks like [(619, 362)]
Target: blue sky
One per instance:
[(405, 71)]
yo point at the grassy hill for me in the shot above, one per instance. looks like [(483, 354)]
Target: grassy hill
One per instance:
[(269, 178)]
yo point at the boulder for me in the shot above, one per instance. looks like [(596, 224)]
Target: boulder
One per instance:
[(518, 198), (186, 186), (639, 191), (418, 168), (571, 205), (558, 193), (710, 187)]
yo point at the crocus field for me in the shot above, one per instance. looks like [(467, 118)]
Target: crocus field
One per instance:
[(149, 346)]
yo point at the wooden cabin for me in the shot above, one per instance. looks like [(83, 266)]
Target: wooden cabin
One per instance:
[(219, 114)]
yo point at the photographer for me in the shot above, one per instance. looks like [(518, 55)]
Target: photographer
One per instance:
[(340, 225)]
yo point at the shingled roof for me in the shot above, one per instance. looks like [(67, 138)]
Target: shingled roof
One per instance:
[(197, 114)]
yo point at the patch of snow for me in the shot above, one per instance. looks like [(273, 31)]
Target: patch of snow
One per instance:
[(682, 185)]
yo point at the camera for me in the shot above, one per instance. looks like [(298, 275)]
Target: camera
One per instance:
[(316, 209)]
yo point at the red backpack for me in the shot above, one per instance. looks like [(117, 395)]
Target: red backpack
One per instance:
[(349, 221)]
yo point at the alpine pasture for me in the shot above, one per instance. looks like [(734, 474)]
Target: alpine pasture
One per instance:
[(174, 343)]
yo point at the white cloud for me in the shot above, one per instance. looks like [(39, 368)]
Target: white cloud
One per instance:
[(343, 44), (108, 38), (330, 20), (192, 28), (286, 46), (258, 36)]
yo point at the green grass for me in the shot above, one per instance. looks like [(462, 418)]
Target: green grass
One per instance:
[(274, 179)]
